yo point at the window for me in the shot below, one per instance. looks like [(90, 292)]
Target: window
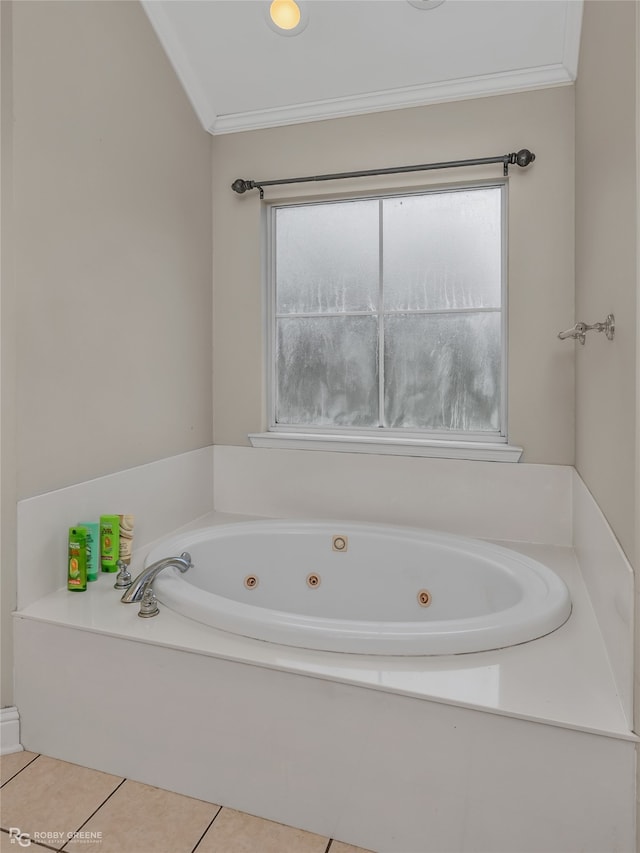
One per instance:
[(387, 317)]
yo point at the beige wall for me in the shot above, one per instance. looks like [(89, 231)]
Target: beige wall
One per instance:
[(606, 257), (541, 250), (607, 244), (113, 246), (111, 329), (8, 338)]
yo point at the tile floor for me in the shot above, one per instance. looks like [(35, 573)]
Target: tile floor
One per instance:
[(43, 800)]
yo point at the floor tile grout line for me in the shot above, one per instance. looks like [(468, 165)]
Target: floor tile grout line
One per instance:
[(95, 811), (20, 771), (211, 822), (207, 829), (118, 786)]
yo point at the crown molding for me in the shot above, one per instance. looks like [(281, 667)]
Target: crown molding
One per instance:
[(500, 83), (412, 96)]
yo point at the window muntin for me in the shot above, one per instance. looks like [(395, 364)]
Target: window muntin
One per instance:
[(387, 315)]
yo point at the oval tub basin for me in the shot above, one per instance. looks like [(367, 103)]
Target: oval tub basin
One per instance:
[(361, 588)]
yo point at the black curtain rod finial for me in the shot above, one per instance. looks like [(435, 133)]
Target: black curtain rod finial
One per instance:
[(523, 157), (241, 186)]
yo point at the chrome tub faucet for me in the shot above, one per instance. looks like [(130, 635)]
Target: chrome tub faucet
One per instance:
[(579, 331), (143, 584)]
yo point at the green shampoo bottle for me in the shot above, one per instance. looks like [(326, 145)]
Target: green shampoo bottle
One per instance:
[(109, 542), (77, 560), (92, 532)]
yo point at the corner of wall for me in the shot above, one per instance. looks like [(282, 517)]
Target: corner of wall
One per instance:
[(609, 579), (8, 327), (162, 495)]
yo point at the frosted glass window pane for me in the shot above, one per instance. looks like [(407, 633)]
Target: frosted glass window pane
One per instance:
[(327, 370), (443, 250), (327, 257), (442, 371)]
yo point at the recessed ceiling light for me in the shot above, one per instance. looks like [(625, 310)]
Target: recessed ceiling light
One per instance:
[(425, 4), (287, 17)]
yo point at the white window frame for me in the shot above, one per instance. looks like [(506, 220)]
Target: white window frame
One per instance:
[(462, 445)]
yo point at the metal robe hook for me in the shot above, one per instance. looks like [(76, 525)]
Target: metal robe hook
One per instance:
[(579, 331)]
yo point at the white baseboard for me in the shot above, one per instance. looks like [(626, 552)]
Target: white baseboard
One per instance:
[(10, 731)]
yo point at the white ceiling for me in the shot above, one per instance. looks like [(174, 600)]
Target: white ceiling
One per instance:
[(359, 56)]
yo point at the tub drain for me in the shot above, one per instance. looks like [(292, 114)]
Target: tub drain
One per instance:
[(251, 581), (313, 580), (424, 598)]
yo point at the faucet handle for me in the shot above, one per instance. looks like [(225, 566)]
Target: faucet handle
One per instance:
[(148, 604), (123, 580)]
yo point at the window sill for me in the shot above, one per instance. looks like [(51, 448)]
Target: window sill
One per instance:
[(478, 450)]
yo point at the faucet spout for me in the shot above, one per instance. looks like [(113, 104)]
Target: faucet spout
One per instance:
[(148, 575), (579, 331)]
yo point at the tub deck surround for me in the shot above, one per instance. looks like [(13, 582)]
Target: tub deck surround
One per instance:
[(391, 759), (524, 502), (162, 495), (518, 750), (563, 679), (611, 591), (385, 772)]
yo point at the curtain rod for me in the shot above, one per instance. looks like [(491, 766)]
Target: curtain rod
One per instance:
[(520, 158)]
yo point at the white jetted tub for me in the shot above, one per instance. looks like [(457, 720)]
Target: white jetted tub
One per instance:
[(361, 588)]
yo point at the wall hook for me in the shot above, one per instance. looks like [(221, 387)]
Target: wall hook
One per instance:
[(579, 331)]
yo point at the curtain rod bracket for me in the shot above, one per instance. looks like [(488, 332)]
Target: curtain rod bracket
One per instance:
[(521, 158)]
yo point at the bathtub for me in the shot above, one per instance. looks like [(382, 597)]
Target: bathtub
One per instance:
[(522, 749), (361, 588)]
